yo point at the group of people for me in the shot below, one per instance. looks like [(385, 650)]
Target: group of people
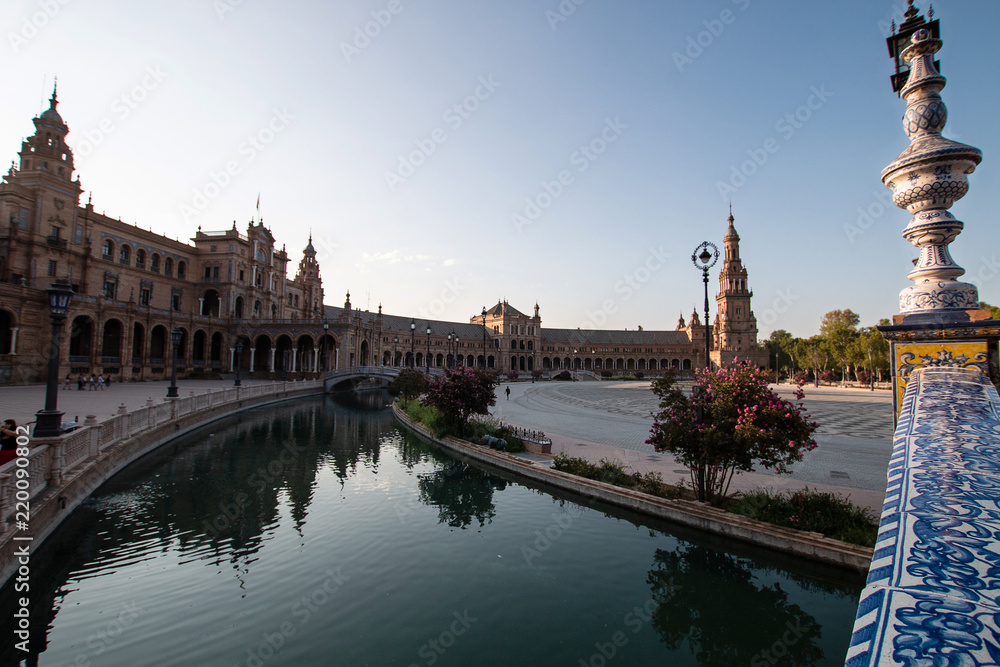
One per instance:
[(95, 382)]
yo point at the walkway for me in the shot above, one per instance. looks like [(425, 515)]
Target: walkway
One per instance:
[(596, 420)]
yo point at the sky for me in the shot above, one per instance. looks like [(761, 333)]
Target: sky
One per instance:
[(447, 155)]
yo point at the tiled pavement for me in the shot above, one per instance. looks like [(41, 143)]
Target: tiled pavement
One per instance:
[(598, 420)]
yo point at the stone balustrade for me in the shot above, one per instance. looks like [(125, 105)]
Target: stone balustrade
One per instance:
[(933, 589)]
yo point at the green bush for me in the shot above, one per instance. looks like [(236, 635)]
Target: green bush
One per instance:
[(613, 472), (826, 513)]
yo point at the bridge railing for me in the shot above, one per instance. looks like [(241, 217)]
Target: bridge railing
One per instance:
[(48, 462)]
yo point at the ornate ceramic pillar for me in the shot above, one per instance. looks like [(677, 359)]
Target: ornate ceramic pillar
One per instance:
[(926, 179)]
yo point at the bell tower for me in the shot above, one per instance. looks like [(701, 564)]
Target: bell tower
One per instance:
[(735, 324), (309, 280)]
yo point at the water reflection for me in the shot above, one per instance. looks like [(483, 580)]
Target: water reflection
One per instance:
[(462, 493), (753, 624)]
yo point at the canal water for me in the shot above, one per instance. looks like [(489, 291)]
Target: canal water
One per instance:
[(314, 533)]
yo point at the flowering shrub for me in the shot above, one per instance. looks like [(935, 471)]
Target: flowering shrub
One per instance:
[(745, 424), (410, 383), (461, 393), (513, 374), (828, 377)]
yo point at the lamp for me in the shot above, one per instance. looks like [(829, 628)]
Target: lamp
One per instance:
[(48, 421)]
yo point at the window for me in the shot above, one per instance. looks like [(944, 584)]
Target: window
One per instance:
[(241, 275), (145, 296), (55, 232), (215, 272), (52, 267), (154, 263), (140, 259), (78, 234), (124, 254), (22, 218), (110, 287), (168, 266), (208, 272), (180, 270), (175, 301), (108, 249)]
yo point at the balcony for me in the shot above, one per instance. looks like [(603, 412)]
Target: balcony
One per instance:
[(79, 359), (56, 242), (111, 361)]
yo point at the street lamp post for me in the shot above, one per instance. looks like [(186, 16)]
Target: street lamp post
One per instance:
[(322, 346), (484, 337), (175, 339), (427, 359), (457, 363), (395, 342), (48, 422), (448, 360), (239, 358), (704, 260), (413, 333)]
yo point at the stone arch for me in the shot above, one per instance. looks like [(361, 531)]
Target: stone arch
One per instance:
[(154, 262), (81, 340), (238, 308), (365, 360), (7, 322), (305, 357), (283, 353), (140, 259), (108, 249), (262, 354), (687, 364), (111, 342), (198, 348), (138, 343), (211, 303), (168, 266), (181, 270), (215, 349), (159, 341)]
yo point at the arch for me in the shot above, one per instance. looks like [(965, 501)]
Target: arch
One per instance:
[(386, 357), (676, 363), (124, 254), (158, 339), (470, 361), (531, 345), (6, 331), (140, 259), (238, 308), (306, 359), (215, 349), (181, 270), (108, 249), (211, 303), (513, 344), (262, 354), (327, 352), (198, 349), (111, 342), (588, 364), (81, 340), (630, 364), (138, 343), (491, 362), (168, 266), (513, 362), (154, 262), (523, 363), (531, 363), (365, 359), (546, 363), (521, 345), (274, 311), (419, 360), (283, 353), (182, 348), (687, 364), (257, 308)]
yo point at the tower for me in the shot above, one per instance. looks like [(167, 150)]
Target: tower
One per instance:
[(735, 325), (309, 281)]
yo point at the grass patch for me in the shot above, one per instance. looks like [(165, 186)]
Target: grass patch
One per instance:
[(613, 472), (826, 513)]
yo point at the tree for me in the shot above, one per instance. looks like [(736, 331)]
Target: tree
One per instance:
[(461, 393), (993, 309), (840, 328), (874, 352), (781, 345), (410, 383), (745, 424)]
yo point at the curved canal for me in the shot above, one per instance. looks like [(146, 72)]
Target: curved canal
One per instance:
[(313, 533)]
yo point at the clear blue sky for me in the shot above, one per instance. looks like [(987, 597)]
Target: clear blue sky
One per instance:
[(159, 96)]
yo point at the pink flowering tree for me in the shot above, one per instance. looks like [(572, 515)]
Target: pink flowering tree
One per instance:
[(745, 424), (461, 393)]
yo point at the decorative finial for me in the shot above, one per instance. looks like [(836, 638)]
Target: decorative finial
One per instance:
[(54, 100), (930, 12)]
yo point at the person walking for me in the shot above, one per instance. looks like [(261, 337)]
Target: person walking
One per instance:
[(80, 381), (69, 381), (107, 382), (508, 393), (100, 382), (93, 382)]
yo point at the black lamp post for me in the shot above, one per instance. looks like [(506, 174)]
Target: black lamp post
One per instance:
[(175, 338), (239, 358), (448, 360), (427, 359), (395, 342), (704, 260), (413, 333), (322, 347), (484, 337), (48, 422), (457, 362)]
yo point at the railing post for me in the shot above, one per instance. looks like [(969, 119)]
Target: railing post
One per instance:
[(94, 449)]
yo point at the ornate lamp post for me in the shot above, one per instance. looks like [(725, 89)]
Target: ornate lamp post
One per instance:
[(704, 260), (395, 342), (457, 362), (239, 359), (413, 333), (448, 360), (484, 337), (175, 339), (427, 358), (48, 422)]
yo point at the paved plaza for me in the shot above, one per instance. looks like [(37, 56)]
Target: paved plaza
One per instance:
[(612, 420)]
